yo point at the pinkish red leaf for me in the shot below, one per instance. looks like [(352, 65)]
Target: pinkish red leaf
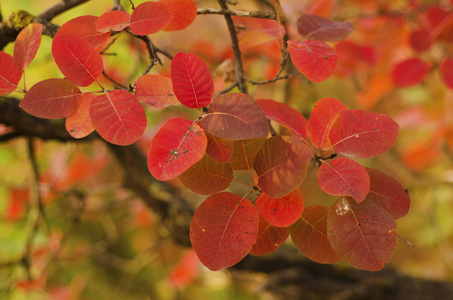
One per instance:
[(186, 271), (270, 238), (361, 134), (344, 177), (155, 90), (27, 45), (309, 234), (177, 146), (52, 99), (244, 153), (207, 176), (223, 230), (118, 117), (285, 115), (85, 27), (446, 72), (315, 59), (219, 149), (236, 117), (78, 124), (115, 20), (283, 211), (410, 72), (364, 234), (9, 74), (150, 17), (253, 31), (192, 81), (322, 117), (313, 27), (281, 165), (76, 59), (184, 11)]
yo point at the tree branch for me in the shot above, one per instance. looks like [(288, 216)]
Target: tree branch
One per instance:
[(253, 14), (60, 8)]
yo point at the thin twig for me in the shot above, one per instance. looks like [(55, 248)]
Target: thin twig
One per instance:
[(59, 8), (253, 14), (115, 83)]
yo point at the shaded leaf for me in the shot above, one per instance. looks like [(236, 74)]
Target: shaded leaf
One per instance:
[(313, 27), (270, 238), (207, 176), (118, 117), (78, 124), (150, 17), (410, 72), (344, 177), (177, 146), (9, 74), (52, 99), (361, 134), (364, 234), (155, 90), (283, 211), (223, 230), (235, 117), (85, 27), (315, 59), (244, 153), (27, 45), (281, 165), (446, 72), (115, 20), (309, 234), (253, 31), (219, 149), (184, 11)]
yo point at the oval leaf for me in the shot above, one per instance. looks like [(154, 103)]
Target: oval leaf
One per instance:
[(219, 149), (315, 59), (52, 99), (361, 134), (184, 11), (155, 90), (236, 117), (270, 238), (192, 80), (178, 145), (115, 20), (118, 117), (446, 72), (244, 153), (285, 115), (207, 176), (150, 17), (79, 123), (283, 211), (364, 234), (84, 27), (313, 27), (410, 72), (27, 45), (9, 74), (281, 165), (309, 234), (76, 59), (223, 230), (344, 177)]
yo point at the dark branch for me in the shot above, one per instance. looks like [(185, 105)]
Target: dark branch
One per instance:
[(253, 14), (60, 8)]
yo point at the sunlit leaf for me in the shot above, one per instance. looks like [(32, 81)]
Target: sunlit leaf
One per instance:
[(244, 153), (78, 124), (27, 45), (446, 72), (364, 234), (150, 17), (410, 72), (223, 230), (283, 211), (85, 27), (270, 238), (184, 11), (219, 149), (313, 27), (9, 74), (115, 20), (155, 90)]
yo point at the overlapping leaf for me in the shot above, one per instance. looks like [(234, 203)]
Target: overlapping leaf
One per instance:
[(283, 211), (223, 230), (207, 176), (27, 45), (118, 117), (9, 74), (313, 27), (85, 27), (364, 234), (219, 149), (155, 90), (150, 17), (184, 11), (281, 165), (178, 145), (115, 20), (78, 124), (236, 117), (361, 134), (410, 72), (244, 153), (270, 238)]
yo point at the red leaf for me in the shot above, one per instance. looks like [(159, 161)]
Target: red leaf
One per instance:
[(85, 27), (252, 31), (270, 238), (52, 99), (420, 39), (318, 28), (76, 59), (281, 165), (26, 45), (344, 177), (361, 134), (79, 123), (184, 11), (283, 211), (207, 176), (219, 149), (388, 193), (155, 90), (150, 17), (364, 234), (192, 81), (285, 115), (235, 117), (178, 145), (309, 234), (115, 20), (315, 59), (9, 74), (446, 72), (322, 117), (186, 271), (410, 72), (223, 230), (244, 153), (118, 117)]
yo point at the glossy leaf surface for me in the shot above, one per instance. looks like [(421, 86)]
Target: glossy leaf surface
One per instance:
[(115, 20), (313, 27), (283, 211), (270, 238), (219, 149), (309, 234), (155, 90), (27, 45), (78, 124), (315, 59), (184, 11), (344, 177), (361, 134), (118, 117), (235, 117), (446, 72), (9, 74), (410, 72), (150, 17), (85, 27), (223, 230), (244, 153), (364, 234), (281, 165), (52, 99), (192, 81), (177, 146)]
